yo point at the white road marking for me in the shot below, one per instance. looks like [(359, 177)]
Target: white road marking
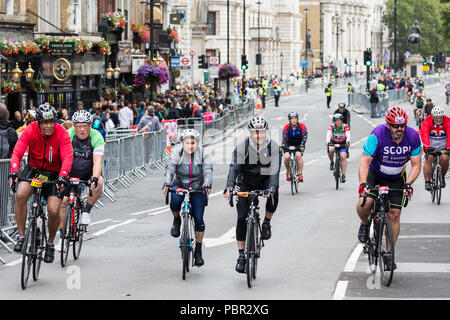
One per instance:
[(14, 263), (148, 211), (99, 222), (112, 227), (351, 263), (341, 288), (367, 120), (433, 236), (227, 237)]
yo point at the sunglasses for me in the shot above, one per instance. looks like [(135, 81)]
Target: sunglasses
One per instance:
[(396, 126)]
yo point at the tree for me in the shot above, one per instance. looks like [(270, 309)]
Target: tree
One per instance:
[(429, 13)]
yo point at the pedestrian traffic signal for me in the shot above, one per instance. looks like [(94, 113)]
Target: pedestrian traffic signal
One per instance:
[(368, 57), (202, 64), (244, 62)]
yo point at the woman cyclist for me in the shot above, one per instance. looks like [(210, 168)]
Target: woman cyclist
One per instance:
[(189, 167)]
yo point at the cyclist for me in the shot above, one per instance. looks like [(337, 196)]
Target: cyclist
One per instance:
[(420, 85), (295, 134), (88, 151), (345, 113), (447, 93), (385, 154), (419, 102), (190, 167), (428, 107), (410, 92), (255, 166), (50, 158), (434, 133), (338, 133)]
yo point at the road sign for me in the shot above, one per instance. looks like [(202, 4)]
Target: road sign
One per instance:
[(209, 54), (185, 63), (426, 68), (175, 61), (192, 53), (213, 61), (304, 63)]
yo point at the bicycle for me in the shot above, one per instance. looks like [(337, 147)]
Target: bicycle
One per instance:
[(293, 168), (436, 178), (36, 233), (420, 117), (376, 247), (253, 242), (337, 162), (187, 240), (73, 230)]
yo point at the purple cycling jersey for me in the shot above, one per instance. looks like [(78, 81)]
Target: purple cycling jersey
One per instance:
[(390, 158)]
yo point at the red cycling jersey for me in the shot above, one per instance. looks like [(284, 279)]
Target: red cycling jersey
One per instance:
[(435, 136), (50, 153)]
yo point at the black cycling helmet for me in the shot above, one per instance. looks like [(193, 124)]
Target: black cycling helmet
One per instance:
[(46, 112), (293, 115), (341, 104)]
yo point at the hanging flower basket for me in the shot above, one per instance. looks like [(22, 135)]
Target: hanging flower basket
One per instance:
[(39, 85), (109, 93), (103, 47), (116, 20), (173, 35), (124, 89), (10, 86), (140, 32), (228, 71), (150, 74)]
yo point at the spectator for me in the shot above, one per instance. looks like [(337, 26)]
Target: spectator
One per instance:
[(17, 122), (373, 102), (67, 124), (8, 136), (114, 115), (97, 124), (65, 114)]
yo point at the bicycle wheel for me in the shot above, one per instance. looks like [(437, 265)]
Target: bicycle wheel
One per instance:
[(185, 239), (257, 251), (78, 231), (337, 173), (385, 241), (28, 252), (438, 184), (41, 242), (296, 178), (65, 241), (292, 174), (250, 252)]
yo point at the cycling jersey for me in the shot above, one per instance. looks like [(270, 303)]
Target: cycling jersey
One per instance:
[(390, 158), (338, 135), (294, 137), (420, 102), (50, 153), (435, 136), (84, 151)]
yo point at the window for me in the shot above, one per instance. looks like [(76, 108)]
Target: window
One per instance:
[(2, 6), (77, 15), (212, 22)]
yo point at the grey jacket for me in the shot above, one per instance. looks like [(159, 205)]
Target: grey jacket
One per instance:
[(189, 171), (150, 123)]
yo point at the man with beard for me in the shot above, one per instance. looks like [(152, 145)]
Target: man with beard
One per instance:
[(386, 152)]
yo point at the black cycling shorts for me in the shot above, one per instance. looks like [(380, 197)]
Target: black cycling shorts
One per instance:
[(396, 198), (48, 190), (243, 208)]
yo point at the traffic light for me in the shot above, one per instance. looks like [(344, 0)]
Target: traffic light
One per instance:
[(368, 57), (244, 62), (425, 63), (345, 61), (202, 64), (258, 59)]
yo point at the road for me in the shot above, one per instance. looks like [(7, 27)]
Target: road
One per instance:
[(313, 252)]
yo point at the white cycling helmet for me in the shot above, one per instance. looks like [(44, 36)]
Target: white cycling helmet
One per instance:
[(257, 123), (437, 112), (82, 116), (190, 133)]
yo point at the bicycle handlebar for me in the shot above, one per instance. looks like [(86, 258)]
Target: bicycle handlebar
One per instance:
[(186, 191), (248, 194), (385, 189)]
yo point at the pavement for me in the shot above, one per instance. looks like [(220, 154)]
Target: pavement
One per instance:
[(128, 252)]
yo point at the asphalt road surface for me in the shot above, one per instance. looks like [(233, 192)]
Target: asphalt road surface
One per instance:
[(313, 253)]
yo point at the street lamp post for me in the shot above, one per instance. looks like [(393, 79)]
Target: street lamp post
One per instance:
[(228, 98), (259, 39), (281, 65), (436, 44), (306, 37), (395, 35)]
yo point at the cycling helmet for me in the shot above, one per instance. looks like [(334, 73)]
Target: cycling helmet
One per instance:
[(437, 112), (46, 112), (338, 116), (190, 133), (293, 115), (341, 105), (257, 123), (82, 116), (396, 115)]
